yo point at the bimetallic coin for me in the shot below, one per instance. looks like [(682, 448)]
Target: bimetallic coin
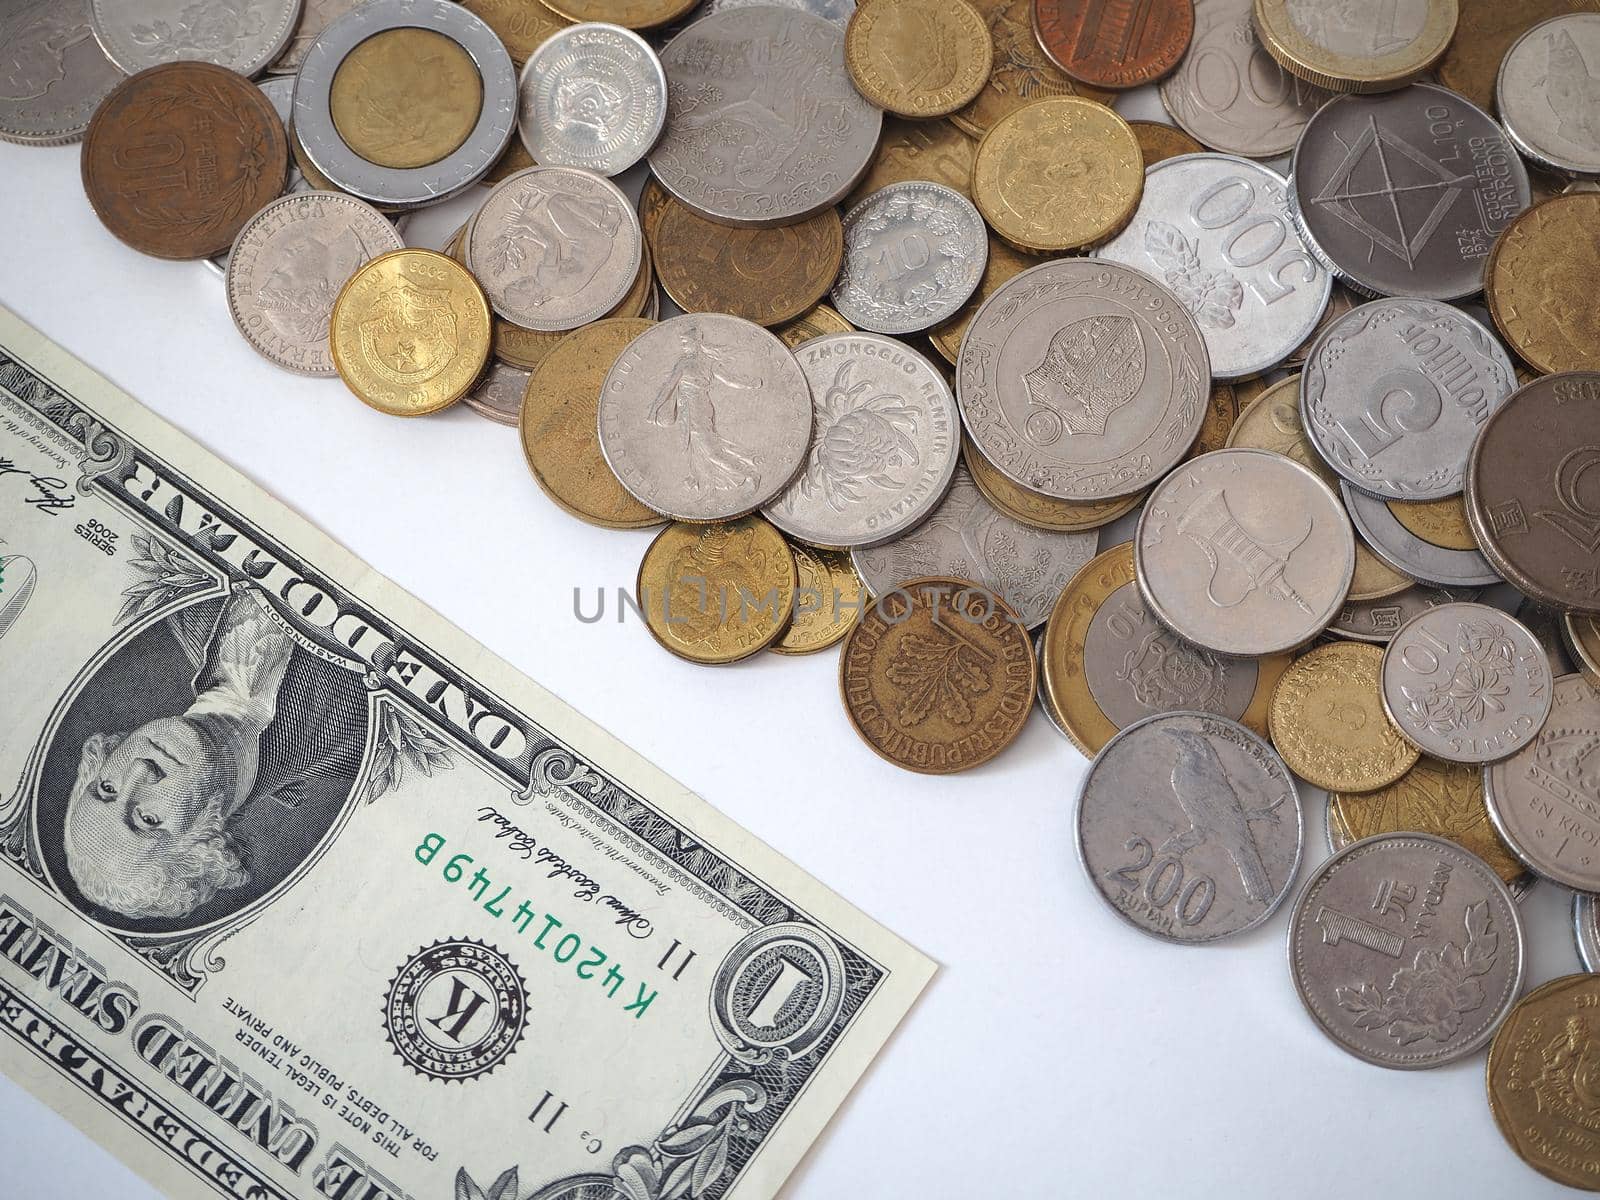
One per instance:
[(918, 58), (1114, 46), (1412, 555), (241, 35), (938, 676), (315, 16), (55, 73), (1466, 683), (1404, 194), (1327, 721), (1214, 229), (705, 417), (1379, 620), (288, 266), (936, 151), (716, 593), (1358, 46), (828, 600), (1083, 380), (1041, 512), (499, 393), (1406, 950), (1442, 522), (523, 25), (1547, 93), (1189, 827), (1540, 284), (1244, 552), (388, 69), (1394, 393), (913, 255), (1586, 928), (883, 447), (1022, 72), (592, 96), (764, 126)]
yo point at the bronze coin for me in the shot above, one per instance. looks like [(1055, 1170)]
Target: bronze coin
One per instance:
[(179, 157), (1113, 44)]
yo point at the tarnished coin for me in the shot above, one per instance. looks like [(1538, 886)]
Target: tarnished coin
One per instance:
[(1394, 393), (631, 14), (1022, 73), (1114, 46), (1359, 46), (1546, 93), (288, 266), (764, 126), (1586, 928), (913, 255), (1379, 620), (968, 538), (1540, 284), (1058, 174), (1327, 721), (1397, 209), (936, 151), (592, 96), (315, 16), (1533, 490), (706, 417), (1230, 93), (918, 58), (1244, 552), (1189, 827), (523, 25), (1407, 950), (883, 447), (938, 676), (221, 154), (715, 593), (240, 35), (837, 11), (1108, 663), (1214, 229), (1582, 632), (1159, 141), (1549, 627), (1083, 380), (1466, 683), (1484, 33), (829, 599), (817, 321), (1041, 512), (55, 73), (499, 393), (1002, 264)]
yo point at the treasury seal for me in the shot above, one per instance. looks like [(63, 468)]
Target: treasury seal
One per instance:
[(455, 1010)]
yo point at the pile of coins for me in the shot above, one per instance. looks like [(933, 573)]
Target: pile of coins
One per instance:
[(1218, 463)]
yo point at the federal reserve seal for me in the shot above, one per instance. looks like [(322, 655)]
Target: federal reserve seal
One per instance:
[(455, 1010)]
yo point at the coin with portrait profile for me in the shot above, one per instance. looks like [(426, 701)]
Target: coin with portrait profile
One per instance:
[(717, 592), (918, 58)]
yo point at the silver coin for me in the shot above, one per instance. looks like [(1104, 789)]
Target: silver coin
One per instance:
[(1394, 392), (1550, 628), (1189, 827), (837, 11), (1040, 699), (242, 35), (499, 393), (1379, 620), (315, 16), (1214, 229), (287, 267), (705, 417), (883, 449), (1083, 380), (1406, 950), (764, 126), (1244, 552), (592, 96), (279, 89), (914, 252), (1548, 93), (1403, 194), (53, 74), (555, 247), (406, 187), (966, 537), (1586, 929), (1466, 683), (1409, 554)]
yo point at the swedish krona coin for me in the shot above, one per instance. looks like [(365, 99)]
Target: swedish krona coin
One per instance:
[(1083, 380), (242, 36), (1379, 620), (1408, 552), (1548, 93), (55, 74), (1189, 827), (592, 96)]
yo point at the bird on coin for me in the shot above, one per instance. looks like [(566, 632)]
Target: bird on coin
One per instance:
[(1216, 813), (1573, 90)]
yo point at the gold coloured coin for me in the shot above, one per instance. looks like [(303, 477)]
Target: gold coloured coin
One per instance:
[(1041, 512), (630, 14), (1158, 142), (406, 97), (410, 332), (560, 435), (1583, 638), (1058, 174), (1003, 264), (1485, 32), (1222, 413), (820, 321), (1022, 72), (918, 58), (515, 158), (828, 600), (933, 150), (523, 25), (716, 593), (1365, 46), (1442, 522), (1540, 283), (938, 675), (653, 201), (1328, 723)]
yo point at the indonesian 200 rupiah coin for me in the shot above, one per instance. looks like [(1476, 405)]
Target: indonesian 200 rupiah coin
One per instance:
[(918, 58), (938, 676), (1367, 46), (1540, 284), (827, 603), (716, 593), (1327, 720), (410, 332)]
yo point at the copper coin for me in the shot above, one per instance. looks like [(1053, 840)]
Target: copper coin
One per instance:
[(178, 158), (1111, 43)]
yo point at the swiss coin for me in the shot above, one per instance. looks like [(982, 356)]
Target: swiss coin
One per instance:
[(1327, 721), (1159, 141), (499, 393), (1409, 553), (288, 266), (1364, 46), (1392, 207), (1244, 552), (1546, 94), (1379, 620), (883, 445), (1001, 264), (914, 253), (1394, 393), (1041, 512), (936, 151), (1214, 229), (592, 96), (1540, 284), (523, 25), (837, 11), (705, 417), (315, 16), (1083, 380), (1406, 950), (918, 58), (55, 73), (719, 592), (938, 676), (1189, 827), (828, 600), (1110, 46), (1022, 73), (241, 35), (1586, 928), (1582, 638), (764, 126), (1484, 33), (1466, 683)]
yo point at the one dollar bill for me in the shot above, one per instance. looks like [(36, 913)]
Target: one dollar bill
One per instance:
[(303, 893)]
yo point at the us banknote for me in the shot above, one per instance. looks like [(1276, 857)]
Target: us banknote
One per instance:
[(305, 894)]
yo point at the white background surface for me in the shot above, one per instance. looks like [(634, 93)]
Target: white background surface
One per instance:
[(1057, 1052)]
